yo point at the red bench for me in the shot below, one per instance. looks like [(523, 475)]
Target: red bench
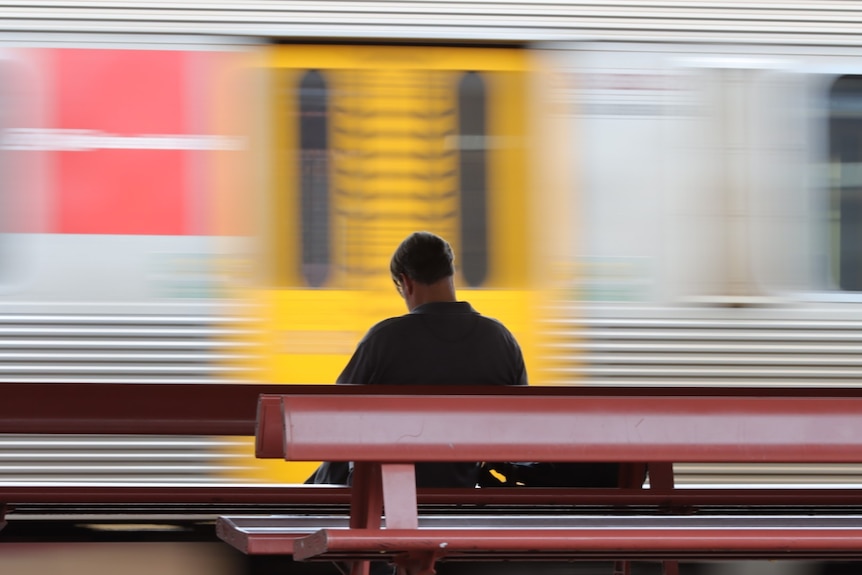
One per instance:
[(176, 409), (386, 434)]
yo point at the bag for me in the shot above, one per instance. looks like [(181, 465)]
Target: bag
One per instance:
[(531, 474), (332, 473)]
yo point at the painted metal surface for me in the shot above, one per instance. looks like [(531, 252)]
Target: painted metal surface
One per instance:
[(105, 408), (231, 408), (269, 430), (609, 428), (252, 535), (722, 538), (384, 434)]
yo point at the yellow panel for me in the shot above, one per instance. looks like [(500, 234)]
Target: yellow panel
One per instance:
[(393, 169)]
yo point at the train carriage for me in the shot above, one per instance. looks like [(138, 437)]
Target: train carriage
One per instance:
[(648, 193)]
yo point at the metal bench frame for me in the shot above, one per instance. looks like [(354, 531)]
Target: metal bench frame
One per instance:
[(386, 434)]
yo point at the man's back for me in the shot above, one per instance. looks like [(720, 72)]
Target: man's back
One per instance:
[(439, 343)]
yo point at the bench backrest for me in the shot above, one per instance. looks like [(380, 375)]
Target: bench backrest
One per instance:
[(111, 408), (413, 428)]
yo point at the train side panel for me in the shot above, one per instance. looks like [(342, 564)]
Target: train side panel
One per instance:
[(111, 257), (717, 224)]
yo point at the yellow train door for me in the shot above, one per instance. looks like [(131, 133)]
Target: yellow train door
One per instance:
[(357, 147)]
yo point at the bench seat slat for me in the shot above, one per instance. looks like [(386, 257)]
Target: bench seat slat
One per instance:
[(260, 524), (574, 535), (611, 543)]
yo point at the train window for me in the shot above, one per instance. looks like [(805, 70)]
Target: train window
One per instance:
[(472, 132), (314, 177), (845, 150)]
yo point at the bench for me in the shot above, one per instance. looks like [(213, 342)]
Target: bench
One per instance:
[(171, 409), (386, 434), (146, 409)]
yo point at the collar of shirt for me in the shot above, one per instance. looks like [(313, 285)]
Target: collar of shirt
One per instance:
[(444, 307)]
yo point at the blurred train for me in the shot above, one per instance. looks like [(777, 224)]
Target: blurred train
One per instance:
[(646, 195)]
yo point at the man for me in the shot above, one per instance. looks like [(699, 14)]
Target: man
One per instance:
[(441, 341)]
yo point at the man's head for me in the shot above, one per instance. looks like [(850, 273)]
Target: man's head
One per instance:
[(422, 268)]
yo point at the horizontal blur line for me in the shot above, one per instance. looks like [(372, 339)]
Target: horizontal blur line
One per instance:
[(46, 443), (720, 324), (714, 360), (686, 335), (695, 347), (106, 318), (155, 379), (119, 369), (64, 140), (122, 331), (122, 456), (129, 343), (118, 357)]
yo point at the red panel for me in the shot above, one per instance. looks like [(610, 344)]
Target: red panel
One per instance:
[(106, 189)]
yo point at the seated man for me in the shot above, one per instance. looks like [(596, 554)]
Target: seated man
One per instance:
[(441, 341)]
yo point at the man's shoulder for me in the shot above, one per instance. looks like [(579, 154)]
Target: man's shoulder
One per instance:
[(493, 323), (386, 326)]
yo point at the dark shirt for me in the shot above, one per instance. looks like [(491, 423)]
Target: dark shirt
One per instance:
[(440, 343)]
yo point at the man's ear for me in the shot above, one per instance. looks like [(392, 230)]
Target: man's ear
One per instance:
[(408, 284)]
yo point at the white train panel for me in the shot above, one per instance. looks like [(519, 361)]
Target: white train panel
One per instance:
[(708, 246)]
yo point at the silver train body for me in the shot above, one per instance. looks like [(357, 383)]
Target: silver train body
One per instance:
[(714, 158)]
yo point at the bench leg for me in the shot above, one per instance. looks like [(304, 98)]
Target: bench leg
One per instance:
[(366, 497), (631, 476), (366, 506), (388, 487), (399, 495), (661, 477)]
